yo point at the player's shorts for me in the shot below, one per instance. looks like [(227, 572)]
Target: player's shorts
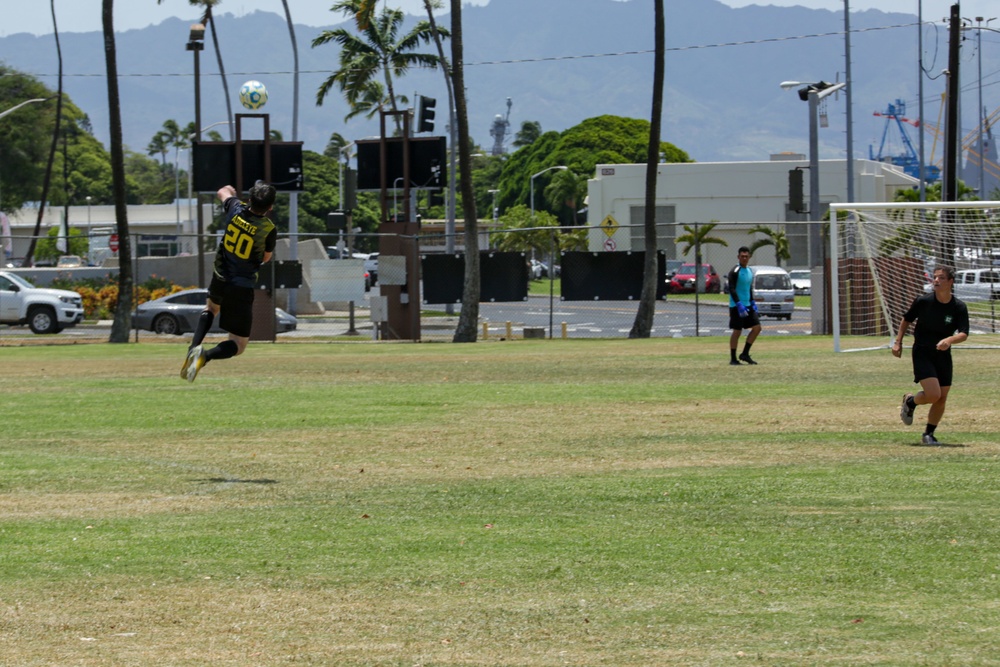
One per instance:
[(932, 363), (236, 306), (736, 322)]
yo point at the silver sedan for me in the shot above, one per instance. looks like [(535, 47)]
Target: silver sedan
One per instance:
[(178, 313)]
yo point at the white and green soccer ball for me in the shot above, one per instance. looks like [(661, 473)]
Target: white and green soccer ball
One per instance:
[(253, 95)]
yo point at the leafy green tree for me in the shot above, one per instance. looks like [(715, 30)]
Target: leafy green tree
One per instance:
[(522, 233), (76, 244), (159, 145), (379, 50), (772, 237), (600, 140), (23, 137)]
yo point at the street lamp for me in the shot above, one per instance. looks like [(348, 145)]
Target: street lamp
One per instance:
[(496, 212), (813, 93), (533, 186), (26, 102)]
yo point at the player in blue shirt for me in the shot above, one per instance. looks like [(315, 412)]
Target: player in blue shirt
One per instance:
[(742, 308)]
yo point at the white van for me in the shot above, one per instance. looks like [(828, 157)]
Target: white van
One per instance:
[(773, 291)]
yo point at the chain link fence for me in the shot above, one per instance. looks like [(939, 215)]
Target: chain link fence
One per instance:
[(554, 283)]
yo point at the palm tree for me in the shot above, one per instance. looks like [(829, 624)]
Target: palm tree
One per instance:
[(379, 50), (642, 327), (468, 319), (774, 237), (159, 145), (207, 19), (696, 236), (122, 323), (529, 132), (566, 189)]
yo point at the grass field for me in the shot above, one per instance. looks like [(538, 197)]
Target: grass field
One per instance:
[(535, 503)]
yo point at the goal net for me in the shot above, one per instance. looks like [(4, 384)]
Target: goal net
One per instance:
[(883, 256)]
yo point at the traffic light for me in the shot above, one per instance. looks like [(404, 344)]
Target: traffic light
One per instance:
[(425, 117)]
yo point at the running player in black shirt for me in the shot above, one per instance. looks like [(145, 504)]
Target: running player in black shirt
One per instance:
[(249, 241), (942, 320)]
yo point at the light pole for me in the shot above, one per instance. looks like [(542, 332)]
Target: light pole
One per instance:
[(813, 93), (980, 112), (496, 212)]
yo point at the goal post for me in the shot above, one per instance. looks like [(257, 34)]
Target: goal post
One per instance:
[(882, 256)]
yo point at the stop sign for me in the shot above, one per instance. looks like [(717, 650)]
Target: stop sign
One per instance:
[(113, 242)]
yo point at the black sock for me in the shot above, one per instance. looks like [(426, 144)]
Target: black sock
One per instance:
[(732, 353), (911, 404), (930, 429), (746, 350), (204, 324), (224, 350)]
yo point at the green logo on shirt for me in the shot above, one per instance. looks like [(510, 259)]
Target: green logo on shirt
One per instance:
[(947, 319)]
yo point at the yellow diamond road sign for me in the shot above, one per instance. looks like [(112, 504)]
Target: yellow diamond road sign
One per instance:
[(609, 225)]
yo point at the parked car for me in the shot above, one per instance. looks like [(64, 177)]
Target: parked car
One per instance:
[(46, 311), (672, 266), (69, 262), (683, 282), (371, 266), (977, 284), (773, 292), (535, 269), (178, 313), (801, 281)]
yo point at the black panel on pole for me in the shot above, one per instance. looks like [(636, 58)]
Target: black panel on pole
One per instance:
[(608, 276), (503, 276), (214, 164), (427, 163)]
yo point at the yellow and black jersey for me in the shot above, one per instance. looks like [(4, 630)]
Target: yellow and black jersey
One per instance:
[(247, 237)]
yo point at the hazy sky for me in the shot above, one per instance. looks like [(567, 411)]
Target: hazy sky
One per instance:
[(85, 15)]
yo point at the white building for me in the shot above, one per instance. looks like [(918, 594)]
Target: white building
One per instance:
[(159, 230), (727, 193)]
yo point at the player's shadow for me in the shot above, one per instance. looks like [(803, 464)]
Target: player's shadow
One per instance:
[(230, 480), (940, 445)]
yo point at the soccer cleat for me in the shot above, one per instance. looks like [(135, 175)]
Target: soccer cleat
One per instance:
[(929, 439), (905, 413), (195, 360), (745, 358), (733, 362)]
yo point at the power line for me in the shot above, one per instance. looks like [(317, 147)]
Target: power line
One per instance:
[(588, 56)]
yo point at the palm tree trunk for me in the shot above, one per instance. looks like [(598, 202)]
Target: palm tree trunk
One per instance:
[(643, 325), (30, 254), (210, 20), (468, 319), (123, 310)]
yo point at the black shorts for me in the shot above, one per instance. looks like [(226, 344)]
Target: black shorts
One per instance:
[(236, 306), (932, 363), (749, 322)]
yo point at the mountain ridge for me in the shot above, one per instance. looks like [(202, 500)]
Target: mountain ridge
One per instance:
[(560, 61)]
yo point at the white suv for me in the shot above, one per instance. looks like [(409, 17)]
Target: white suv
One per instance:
[(46, 311)]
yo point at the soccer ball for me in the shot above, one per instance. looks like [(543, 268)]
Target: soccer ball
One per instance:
[(253, 95)]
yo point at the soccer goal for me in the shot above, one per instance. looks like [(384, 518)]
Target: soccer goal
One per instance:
[(883, 255)]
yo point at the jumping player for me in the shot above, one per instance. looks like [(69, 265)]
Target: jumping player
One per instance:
[(942, 321), (248, 242), (742, 308)]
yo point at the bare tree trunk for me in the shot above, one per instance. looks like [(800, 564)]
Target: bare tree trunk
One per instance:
[(643, 325), (29, 256), (123, 310), (210, 19), (468, 319)]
